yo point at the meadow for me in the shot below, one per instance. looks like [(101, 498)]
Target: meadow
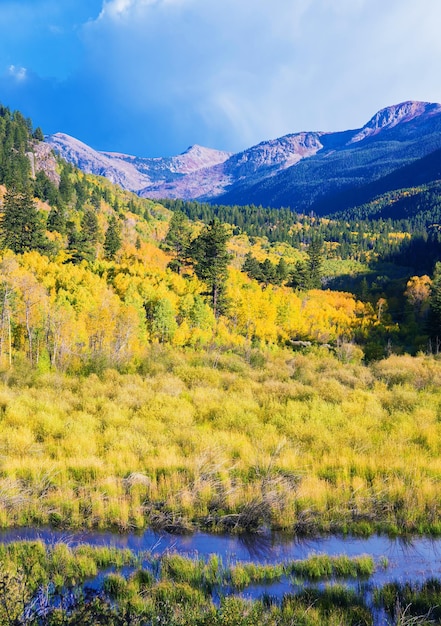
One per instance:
[(226, 441)]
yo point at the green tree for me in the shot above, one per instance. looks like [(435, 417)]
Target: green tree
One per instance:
[(178, 241), (314, 263), (268, 272), (45, 189), (66, 187), (56, 220), (21, 226), (95, 198), (89, 236), (434, 321), (82, 244), (282, 271), (38, 134), (209, 252), (112, 241), (252, 267), (300, 276), (161, 319)]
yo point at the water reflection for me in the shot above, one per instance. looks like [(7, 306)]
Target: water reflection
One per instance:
[(259, 547), (411, 559)]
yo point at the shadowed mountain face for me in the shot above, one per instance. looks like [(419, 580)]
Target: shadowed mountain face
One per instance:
[(307, 171)]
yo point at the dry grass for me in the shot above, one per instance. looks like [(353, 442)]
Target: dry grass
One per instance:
[(299, 443)]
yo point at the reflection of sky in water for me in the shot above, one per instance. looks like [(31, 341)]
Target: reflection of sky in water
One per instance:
[(408, 560)]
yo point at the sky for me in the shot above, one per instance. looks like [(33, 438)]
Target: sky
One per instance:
[(152, 77)]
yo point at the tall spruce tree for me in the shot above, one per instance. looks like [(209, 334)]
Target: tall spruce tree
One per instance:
[(21, 227), (314, 263), (178, 240), (112, 240), (252, 267), (300, 276), (434, 319), (211, 258)]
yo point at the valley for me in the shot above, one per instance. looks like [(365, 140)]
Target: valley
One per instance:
[(173, 367)]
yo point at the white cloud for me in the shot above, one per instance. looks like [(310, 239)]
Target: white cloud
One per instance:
[(19, 73), (237, 72), (114, 8)]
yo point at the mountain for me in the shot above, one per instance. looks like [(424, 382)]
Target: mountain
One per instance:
[(307, 171), (394, 138), (133, 173)]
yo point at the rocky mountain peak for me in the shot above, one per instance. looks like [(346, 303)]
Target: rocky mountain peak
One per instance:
[(391, 116), (198, 157), (297, 169)]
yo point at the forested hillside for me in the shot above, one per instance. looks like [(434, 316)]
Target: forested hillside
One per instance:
[(92, 274)]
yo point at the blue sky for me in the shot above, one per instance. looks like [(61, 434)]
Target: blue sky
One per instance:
[(151, 77)]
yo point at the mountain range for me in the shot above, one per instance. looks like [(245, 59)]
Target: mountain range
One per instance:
[(308, 171)]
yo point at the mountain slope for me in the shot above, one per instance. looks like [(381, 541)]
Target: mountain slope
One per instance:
[(305, 171), (130, 172), (316, 184)]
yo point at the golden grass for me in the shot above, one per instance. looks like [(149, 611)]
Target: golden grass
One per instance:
[(307, 438)]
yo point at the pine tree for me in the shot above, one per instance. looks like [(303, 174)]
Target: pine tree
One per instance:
[(211, 258), (45, 189), (66, 187), (56, 220), (21, 227), (314, 263), (282, 271), (112, 241), (82, 244), (434, 321), (90, 226), (300, 276), (38, 134), (178, 240), (252, 267), (268, 272)]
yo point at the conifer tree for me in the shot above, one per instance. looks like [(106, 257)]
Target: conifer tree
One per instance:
[(21, 227), (38, 134), (300, 276), (252, 267), (434, 321), (211, 259), (178, 240), (282, 271), (45, 189), (89, 235), (112, 241), (314, 263), (268, 272), (66, 187), (56, 220)]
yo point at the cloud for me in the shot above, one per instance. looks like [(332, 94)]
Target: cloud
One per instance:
[(42, 35), (153, 76), (203, 64), (18, 73), (234, 73)]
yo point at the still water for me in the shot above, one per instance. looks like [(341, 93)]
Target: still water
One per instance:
[(408, 560)]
